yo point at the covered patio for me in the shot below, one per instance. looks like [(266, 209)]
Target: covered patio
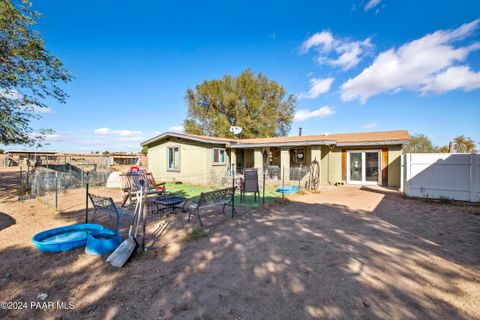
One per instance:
[(286, 164)]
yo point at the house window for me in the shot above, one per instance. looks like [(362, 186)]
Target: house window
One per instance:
[(219, 156), (173, 158), (299, 156)]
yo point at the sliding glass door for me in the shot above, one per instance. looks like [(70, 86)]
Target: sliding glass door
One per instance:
[(356, 167), (363, 166), (372, 166)]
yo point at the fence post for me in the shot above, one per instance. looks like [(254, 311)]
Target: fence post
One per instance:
[(263, 200), (28, 168), (233, 186), (402, 173), (472, 182), (20, 178), (299, 177), (86, 199), (38, 184), (56, 190), (406, 186), (476, 173)]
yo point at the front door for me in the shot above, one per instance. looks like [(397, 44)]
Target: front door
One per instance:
[(363, 167)]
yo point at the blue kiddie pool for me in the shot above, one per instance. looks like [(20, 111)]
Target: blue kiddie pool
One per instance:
[(102, 242), (288, 189), (64, 238)]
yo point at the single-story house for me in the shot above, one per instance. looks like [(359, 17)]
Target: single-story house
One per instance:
[(351, 158)]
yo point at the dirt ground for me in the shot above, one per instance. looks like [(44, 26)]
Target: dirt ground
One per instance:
[(343, 253)]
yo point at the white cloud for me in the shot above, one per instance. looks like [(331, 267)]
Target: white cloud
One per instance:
[(178, 129), (337, 52), (306, 114), (41, 110), (15, 95), (317, 87), (120, 133), (371, 4), (54, 138), (127, 133), (129, 139), (460, 77), (102, 131), (322, 39), (10, 94), (35, 108), (414, 66), (369, 125), (349, 54)]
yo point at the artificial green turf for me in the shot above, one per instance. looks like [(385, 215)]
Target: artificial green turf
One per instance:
[(193, 191)]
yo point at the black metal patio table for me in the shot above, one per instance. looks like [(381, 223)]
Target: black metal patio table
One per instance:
[(168, 201)]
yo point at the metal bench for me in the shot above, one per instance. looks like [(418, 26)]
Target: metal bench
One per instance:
[(107, 205), (210, 199)]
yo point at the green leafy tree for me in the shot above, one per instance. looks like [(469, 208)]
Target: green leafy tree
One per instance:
[(106, 153), (419, 143), (464, 144), (2, 151), (251, 101), (144, 150), (28, 74)]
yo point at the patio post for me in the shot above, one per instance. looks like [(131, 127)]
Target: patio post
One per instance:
[(233, 186), (258, 159), (233, 158), (285, 162)]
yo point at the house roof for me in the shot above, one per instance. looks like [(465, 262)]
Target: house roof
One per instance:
[(31, 151), (193, 137), (339, 139)]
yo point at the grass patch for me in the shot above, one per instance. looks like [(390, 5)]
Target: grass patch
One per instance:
[(195, 234), (194, 191)]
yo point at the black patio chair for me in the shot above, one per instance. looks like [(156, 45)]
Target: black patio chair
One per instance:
[(250, 184)]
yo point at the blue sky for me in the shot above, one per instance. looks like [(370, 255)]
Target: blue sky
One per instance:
[(355, 65)]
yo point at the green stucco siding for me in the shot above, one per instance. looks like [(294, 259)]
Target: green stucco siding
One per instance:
[(394, 156), (196, 162), (331, 164)]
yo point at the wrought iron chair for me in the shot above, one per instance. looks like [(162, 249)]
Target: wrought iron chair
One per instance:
[(107, 205)]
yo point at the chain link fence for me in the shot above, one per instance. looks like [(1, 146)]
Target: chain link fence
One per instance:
[(63, 187)]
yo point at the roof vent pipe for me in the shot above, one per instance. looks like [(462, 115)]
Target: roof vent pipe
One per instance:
[(300, 132)]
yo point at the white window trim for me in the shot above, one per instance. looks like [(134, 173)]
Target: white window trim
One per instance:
[(179, 158), (364, 182), (224, 163)]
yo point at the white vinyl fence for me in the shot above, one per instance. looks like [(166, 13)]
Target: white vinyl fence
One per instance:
[(441, 175)]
